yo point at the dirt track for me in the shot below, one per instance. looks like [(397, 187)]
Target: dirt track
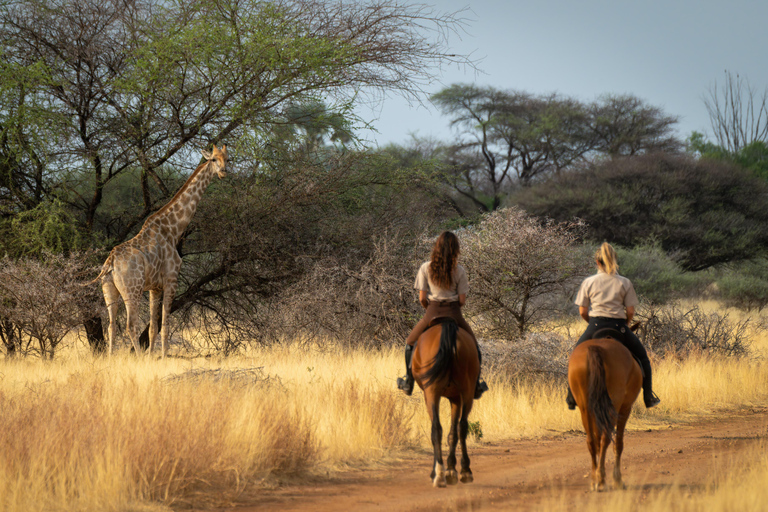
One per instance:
[(519, 474)]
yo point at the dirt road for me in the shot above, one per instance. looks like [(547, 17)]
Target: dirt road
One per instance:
[(519, 474)]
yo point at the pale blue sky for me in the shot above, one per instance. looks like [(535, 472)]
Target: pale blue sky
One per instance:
[(668, 53)]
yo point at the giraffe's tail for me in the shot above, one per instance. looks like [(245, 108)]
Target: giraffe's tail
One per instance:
[(105, 269)]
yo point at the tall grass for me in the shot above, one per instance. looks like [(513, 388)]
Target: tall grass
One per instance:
[(739, 484), (126, 433)]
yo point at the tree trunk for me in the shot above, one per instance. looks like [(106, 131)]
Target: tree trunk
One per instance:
[(94, 331)]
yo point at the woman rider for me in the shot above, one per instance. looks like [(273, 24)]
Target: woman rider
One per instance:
[(612, 300), (443, 287)]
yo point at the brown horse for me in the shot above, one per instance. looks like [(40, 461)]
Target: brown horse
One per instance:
[(445, 364), (605, 380)]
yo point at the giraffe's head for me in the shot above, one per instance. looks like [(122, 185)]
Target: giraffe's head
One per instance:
[(219, 158)]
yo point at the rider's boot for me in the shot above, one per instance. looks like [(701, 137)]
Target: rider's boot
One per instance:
[(570, 400), (649, 397), (406, 383), (480, 387)]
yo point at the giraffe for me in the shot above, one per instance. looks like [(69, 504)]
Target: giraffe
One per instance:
[(150, 262)]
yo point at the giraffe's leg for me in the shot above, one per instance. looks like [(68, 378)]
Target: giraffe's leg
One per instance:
[(132, 322), (154, 309), (112, 298), (168, 293)]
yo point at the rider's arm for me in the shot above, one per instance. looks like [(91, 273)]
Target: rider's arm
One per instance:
[(584, 312), (462, 299), (630, 313), (423, 298)]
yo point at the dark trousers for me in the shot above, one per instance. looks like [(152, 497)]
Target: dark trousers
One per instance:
[(439, 310), (630, 341)]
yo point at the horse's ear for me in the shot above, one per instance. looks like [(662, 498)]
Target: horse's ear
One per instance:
[(635, 326), (207, 154)]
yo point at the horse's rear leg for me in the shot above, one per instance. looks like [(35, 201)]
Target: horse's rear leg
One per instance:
[(451, 477), (466, 473), (605, 440), (593, 442), (618, 446), (438, 470)]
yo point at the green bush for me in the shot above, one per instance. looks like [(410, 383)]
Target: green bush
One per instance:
[(656, 276), (745, 285)]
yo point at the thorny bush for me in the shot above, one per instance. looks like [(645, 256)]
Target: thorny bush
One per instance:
[(519, 270), (42, 300), (674, 330)]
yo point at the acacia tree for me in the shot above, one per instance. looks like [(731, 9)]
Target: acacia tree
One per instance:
[(738, 113), (624, 125), (134, 88), (508, 137), (520, 269)]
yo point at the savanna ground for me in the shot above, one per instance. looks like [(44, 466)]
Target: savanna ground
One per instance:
[(293, 427)]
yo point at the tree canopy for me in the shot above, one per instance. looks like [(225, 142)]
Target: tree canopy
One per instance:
[(106, 104), (701, 212), (507, 138)]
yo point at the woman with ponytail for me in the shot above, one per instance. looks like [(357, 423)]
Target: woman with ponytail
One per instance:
[(608, 300), (443, 286)]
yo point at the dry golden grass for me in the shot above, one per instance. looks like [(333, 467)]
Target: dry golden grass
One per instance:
[(84, 433), (740, 484)]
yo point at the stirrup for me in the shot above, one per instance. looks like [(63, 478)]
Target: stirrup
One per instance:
[(480, 388), (651, 401), (406, 385)]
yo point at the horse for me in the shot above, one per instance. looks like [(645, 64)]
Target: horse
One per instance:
[(445, 364), (605, 380)]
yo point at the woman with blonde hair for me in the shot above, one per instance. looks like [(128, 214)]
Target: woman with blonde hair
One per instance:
[(442, 284), (607, 300)]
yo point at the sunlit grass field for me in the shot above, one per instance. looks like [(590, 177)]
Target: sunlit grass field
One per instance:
[(127, 433)]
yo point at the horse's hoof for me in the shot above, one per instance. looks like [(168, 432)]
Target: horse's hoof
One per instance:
[(619, 485), (466, 477), (451, 477), (439, 482)]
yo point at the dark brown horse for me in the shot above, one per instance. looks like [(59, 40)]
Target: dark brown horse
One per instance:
[(445, 364), (605, 380)]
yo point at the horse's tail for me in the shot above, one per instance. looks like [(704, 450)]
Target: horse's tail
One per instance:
[(443, 360), (105, 269), (600, 404)]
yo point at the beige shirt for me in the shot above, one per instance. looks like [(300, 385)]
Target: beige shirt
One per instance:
[(460, 285), (607, 295)]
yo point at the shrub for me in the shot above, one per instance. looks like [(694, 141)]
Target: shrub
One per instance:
[(539, 354), (43, 300), (656, 276), (519, 269), (701, 212), (371, 303), (678, 331), (745, 285)]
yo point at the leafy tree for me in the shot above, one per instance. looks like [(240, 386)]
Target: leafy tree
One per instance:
[(624, 125), (505, 134), (119, 96), (701, 212), (753, 156), (511, 137)]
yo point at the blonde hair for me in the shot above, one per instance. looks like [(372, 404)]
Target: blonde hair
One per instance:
[(605, 257)]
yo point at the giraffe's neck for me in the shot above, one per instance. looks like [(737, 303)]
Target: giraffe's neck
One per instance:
[(175, 216)]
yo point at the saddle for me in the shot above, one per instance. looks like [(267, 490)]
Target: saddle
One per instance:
[(440, 320), (616, 335)]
